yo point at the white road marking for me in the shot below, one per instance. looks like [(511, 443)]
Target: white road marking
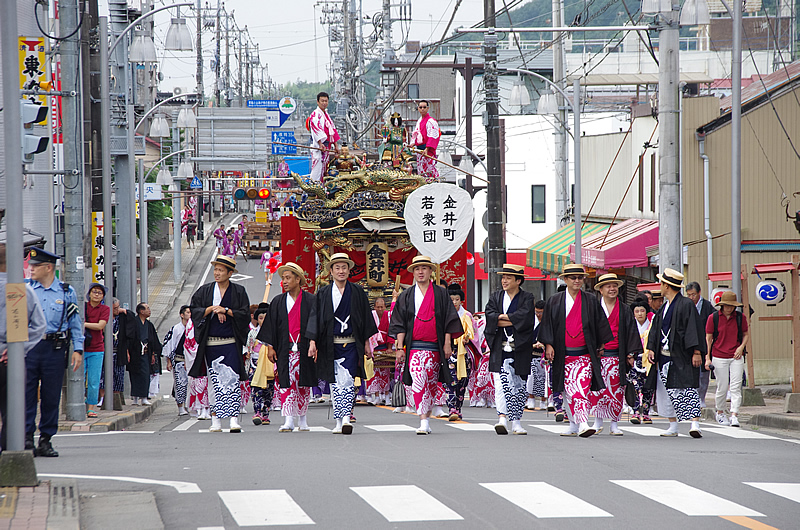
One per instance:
[(186, 425), (210, 528), (166, 396), (555, 429), (472, 426), (205, 431), (686, 499), (318, 428), (210, 267), (785, 490), (733, 432), (646, 430), (264, 508), (239, 277), (180, 487), (398, 427), (544, 501), (71, 435), (405, 503), (791, 440)]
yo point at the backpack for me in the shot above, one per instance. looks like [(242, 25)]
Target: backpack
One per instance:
[(739, 334)]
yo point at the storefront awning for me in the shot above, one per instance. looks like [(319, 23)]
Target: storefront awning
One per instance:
[(552, 253), (622, 246)]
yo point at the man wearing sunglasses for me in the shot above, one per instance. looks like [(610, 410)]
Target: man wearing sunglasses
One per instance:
[(425, 139)]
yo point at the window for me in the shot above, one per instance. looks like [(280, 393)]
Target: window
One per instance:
[(537, 204), (413, 91)]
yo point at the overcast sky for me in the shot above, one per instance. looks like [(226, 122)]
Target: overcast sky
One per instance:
[(292, 40)]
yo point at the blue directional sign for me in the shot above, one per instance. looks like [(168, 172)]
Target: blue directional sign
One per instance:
[(275, 114), (285, 137), (270, 104), (196, 184)]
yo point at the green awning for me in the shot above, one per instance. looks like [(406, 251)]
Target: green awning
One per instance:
[(552, 253)]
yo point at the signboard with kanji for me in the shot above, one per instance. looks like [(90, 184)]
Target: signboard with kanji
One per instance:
[(33, 70), (98, 248), (377, 264), (438, 218), (286, 137)]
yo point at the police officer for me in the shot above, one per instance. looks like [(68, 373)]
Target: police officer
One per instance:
[(46, 362)]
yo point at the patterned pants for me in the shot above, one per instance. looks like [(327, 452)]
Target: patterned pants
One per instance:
[(424, 368), (644, 397), (379, 384), (558, 397), (119, 377), (577, 386), (398, 373), (323, 387), (294, 398), (262, 399), (457, 387), (440, 400), (535, 383), (319, 160), (607, 403), (427, 168), (510, 392), (681, 403), (484, 384), (226, 400), (198, 395), (244, 392), (181, 382)]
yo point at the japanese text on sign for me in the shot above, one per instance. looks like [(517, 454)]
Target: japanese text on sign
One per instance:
[(33, 70), (438, 217), (377, 264), (98, 248)]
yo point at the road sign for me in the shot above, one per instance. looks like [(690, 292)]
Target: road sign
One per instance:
[(269, 104), (288, 105), (285, 137), (278, 110), (196, 184)]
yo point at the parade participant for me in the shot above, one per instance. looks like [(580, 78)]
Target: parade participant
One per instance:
[(323, 136), (726, 337), (176, 358), (338, 330), (45, 363), (221, 315), (198, 404), (379, 386), (535, 385), (656, 300), (288, 346), (221, 236), (637, 374), (120, 352), (394, 137), (424, 323), (262, 388), (705, 309), (574, 328), (509, 334), (97, 315), (675, 344), (425, 137), (462, 360), (617, 355), (37, 326), (481, 393), (143, 344)]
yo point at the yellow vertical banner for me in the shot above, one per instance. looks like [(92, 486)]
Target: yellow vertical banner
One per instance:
[(32, 66), (98, 248)]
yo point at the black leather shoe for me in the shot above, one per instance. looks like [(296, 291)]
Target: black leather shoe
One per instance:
[(29, 442), (45, 449)]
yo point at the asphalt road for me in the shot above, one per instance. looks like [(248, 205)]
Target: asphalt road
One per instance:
[(462, 476)]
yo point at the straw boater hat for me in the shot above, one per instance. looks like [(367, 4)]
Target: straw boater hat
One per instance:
[(341, 257), (607, 278), (728, 298), (671, 277), (656, 293), (512, 270), (421, 260), (571, 269), (295, 268), (225, 261)]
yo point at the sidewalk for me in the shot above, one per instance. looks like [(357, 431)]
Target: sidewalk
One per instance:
[(771, 415)]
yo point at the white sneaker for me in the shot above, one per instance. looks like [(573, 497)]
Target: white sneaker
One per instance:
[(216, 425), (516, 428), (722, 419), (235, 427), (530, 404), (734, 421)]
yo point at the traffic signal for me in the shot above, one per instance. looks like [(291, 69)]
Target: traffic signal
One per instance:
[(251, 193), (32, 144)]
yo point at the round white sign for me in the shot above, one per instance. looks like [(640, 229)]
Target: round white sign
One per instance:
[(287, 105), (438, 218)]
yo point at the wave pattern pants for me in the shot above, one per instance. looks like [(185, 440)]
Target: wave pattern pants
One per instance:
[(577, 386), (423, 365), (510, 394), (681, 403), (226, 402), (294, 398), (181, 382), (535, 385), (607, 403)]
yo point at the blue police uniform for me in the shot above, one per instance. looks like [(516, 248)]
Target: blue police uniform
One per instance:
[(46, 362)]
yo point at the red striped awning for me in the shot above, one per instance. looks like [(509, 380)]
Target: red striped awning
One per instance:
[(620, 246)]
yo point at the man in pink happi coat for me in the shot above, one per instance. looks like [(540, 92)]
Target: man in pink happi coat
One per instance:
[(426, 138), (323, 136)]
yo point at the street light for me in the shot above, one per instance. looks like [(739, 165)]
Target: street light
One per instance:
[(185, 170), (548, 104), (178, 38), (187, 119), (159, 128), (164, 177), (695, 13), (143, 49), (519, 94)]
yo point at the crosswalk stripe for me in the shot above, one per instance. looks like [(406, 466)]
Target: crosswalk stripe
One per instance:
[(544, 501), (318, 428), (786, 490), (556, 429), (733, 432), (186, 425), (472, 426), (646, 430), (686, 499), (399, 427), (264, 508), (405, 504)]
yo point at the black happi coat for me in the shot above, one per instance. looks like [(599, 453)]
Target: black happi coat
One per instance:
[(706, 310), (322, 324), (630, 343), (447, 321), (134, 344), (523, 319), (275, 332), (122, 337), (596, 331), (684, 337), (239, 306)]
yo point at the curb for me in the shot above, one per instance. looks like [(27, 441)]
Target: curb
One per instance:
[(776, 421), (117, 422)]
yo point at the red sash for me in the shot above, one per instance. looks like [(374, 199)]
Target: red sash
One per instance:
[(574, 337), (425, 321), (294, 319), (613, 321)]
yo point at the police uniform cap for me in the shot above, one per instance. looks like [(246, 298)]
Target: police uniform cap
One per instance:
[(39, 255)]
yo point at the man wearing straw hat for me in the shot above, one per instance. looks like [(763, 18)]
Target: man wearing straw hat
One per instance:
[(573, 329), (221, 318), (424, 323), (617, 354), (339, 330), (676, 344), (510, 319), (284, 332)]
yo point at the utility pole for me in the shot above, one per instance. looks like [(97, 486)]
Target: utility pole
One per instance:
[(73, 188), (200, 104), (241, 78), (494, 206), (217, 65), (228, 94), (736, 149), (559, 77)]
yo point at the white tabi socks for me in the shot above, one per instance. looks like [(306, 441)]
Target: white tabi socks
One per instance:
[(694, 431), (584, 431), (516, 427), (572, 430), (347, 427), (438, 412), (216, 425), (182, 411), (235, 427), (338, 428), (598, 425), (530, 404), (424, 427), (502, 425), (302, 424), (614, 429), (288, 424), (672, 431)]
